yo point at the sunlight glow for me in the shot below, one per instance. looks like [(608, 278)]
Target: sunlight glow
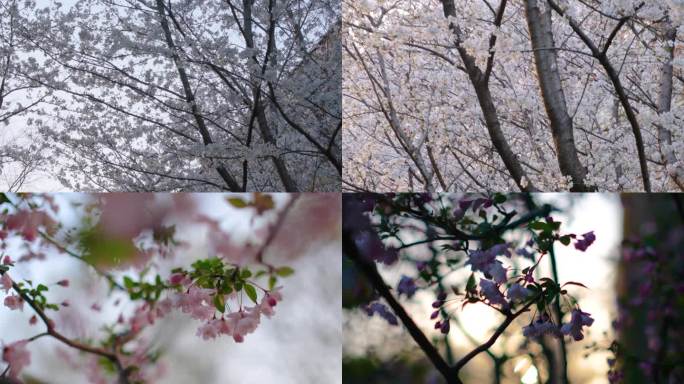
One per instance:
[(530, 376)]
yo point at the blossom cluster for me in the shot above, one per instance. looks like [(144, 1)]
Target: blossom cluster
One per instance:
[(470, 229), (124, 239)]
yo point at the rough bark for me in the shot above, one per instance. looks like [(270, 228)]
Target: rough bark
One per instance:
[(612, 73), (190, 97), (484, 98), (664, 105), (264, 127), (539, 23)]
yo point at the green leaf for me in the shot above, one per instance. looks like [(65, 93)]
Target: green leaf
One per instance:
[(102, 250), (237, 202), (272, 281), (220, 303), (128, 282), (251, 292), (538, 226), (245, 274), (499, 198), (284, 271), (565, 240), (470, 285)]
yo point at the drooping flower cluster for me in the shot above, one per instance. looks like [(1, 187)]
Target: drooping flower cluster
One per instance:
[(485, 261), (578, 320)]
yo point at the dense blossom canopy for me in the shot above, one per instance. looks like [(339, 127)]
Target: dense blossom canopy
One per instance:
[(507, 95), (170, 96)]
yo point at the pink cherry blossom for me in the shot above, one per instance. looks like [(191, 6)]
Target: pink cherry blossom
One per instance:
[(6, 282), (17, 356), (27, 223), (14, 302), (243, 322), (269, 301), (208, 330)]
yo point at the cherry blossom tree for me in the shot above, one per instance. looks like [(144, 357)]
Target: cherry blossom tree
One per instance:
[(485, 250), (164, 96), (132, 244), (18, 96), (512, 95)]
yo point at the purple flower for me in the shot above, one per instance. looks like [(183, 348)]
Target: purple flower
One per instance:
[(444, 327), (517, 292), (382, 311), (523, 252), (587, 240), (540, 327), (497, 272), (458, 214), (372, 247), (491, 292), (406, 286), (485, 261), (577, 321)]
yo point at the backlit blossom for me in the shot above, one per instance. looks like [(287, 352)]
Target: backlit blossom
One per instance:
[(578, 320), (540, 327), (381, 310), (586, 241), (485, 261), (491, 292), (517, 292), (406, 286)]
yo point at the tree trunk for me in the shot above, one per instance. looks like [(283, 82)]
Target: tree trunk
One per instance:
[(190, 97), (484, 98), (539, 23), (264, 127), (664, 104)]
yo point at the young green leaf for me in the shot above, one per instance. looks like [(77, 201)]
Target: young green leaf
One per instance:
[(251, 292)]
